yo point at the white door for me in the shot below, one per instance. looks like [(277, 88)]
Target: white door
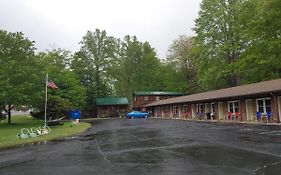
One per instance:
[(193, 111), (207, 107), (220, 109), (249, 109)]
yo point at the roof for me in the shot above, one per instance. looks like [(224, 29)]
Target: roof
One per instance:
[(142, 93), (244, 90), (111, 101)]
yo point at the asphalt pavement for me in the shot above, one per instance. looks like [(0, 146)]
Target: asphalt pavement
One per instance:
[(153, 147)]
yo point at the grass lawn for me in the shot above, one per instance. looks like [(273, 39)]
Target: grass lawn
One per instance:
[(8, 133)]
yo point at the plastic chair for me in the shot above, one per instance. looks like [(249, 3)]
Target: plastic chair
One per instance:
[(212, 114), (229, 115), (258, 115), (236, 115), (34, 132), (44, 130), (268, 116), (199, 115), (24, 134)]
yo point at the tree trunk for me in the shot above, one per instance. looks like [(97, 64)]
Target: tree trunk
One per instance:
[(9, 113)]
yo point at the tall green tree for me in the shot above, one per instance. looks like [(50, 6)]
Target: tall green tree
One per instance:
[(57, 57), (71, 94), (169, 79), (92, 63), (136, 68), (179, 57), (219, 43), (262, 60), (20, 73)]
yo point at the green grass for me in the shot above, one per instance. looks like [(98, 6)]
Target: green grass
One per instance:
[(8, 133)]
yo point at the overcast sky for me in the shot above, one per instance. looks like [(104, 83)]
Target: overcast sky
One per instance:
[(63, 23)]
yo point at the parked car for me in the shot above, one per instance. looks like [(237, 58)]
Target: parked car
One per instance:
[(137, 114)]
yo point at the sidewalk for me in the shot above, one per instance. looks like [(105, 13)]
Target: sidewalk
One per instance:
[(221, 121)]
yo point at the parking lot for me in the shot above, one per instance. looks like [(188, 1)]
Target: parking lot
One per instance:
[(153, 146)]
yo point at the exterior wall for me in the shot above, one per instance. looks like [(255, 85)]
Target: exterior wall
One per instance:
[(275, 111), (242, 110), (216, 111), (112, 111), (279, 108)]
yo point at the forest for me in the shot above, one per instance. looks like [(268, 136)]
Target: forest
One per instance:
[(236, 42)]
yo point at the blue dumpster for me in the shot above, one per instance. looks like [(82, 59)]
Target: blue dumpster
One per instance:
[(74, 114)]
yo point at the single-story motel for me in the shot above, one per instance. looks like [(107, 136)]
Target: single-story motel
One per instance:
[(259, 102)]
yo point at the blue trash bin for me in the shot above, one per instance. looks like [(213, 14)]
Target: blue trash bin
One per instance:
[(74, 114)]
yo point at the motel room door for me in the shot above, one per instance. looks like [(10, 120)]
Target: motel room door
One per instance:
[(220, 109), (193, 110), (249, 109)]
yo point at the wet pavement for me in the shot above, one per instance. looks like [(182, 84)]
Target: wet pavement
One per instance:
[(154, 147)]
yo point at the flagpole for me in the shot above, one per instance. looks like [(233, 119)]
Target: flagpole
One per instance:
[(46, 95)]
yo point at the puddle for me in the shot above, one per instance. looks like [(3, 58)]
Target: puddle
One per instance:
[(274, 168), (228, 157), (274, 133)]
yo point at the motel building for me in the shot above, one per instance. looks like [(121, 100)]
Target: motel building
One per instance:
[(112, 107), (258, 102), (140, 99)]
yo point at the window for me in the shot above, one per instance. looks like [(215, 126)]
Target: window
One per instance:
[(264, 105), (233, 106), (157, 98), (145, 98)]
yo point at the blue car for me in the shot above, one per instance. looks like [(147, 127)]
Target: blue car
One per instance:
[(137, 114)]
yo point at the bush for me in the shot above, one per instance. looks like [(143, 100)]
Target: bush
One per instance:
[(57, 107), (2, 116)]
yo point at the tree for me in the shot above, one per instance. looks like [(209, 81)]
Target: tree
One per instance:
[(70, 94), (59, 57), (169, 79), (20, 72), (262, 60), (179, 57), (92, 63), (136, 68), (219, 43)]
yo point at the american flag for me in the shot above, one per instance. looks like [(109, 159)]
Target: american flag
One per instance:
[(52, 85)]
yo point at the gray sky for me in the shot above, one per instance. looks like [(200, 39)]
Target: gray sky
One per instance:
[(63, 23)]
